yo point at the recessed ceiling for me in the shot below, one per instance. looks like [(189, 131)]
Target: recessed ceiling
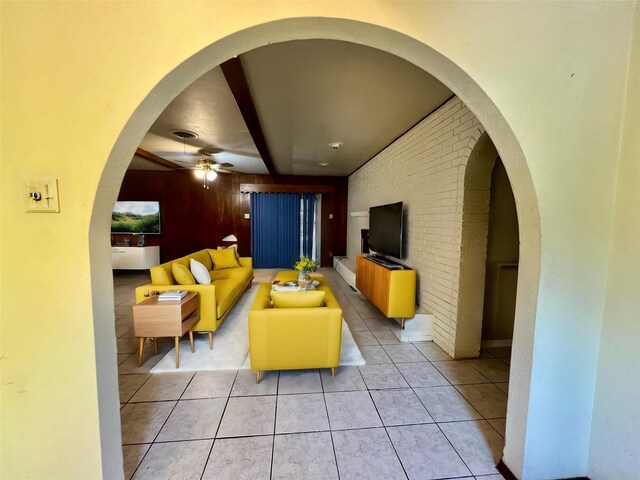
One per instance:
[(208, 108), (308, 95), (312, 93)]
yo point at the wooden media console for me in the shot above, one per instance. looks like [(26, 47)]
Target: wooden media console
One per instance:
[(390, 289)]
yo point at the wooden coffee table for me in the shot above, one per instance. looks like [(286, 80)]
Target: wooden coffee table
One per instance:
[(155, 318)]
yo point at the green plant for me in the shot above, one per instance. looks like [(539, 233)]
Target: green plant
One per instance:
[(305, 264)]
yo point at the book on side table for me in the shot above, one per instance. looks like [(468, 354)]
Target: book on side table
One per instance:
[(172, 295)]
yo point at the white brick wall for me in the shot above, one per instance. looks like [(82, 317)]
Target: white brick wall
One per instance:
[(425, 169)]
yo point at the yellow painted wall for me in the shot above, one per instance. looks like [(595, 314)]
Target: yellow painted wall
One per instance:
[(72, 75), (615, 435)]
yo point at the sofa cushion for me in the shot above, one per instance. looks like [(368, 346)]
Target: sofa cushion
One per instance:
[(203, 257), (225, 258), (234, 247), (200, 272), (241, 273), (182, 274), (227, 290), (299, 299), (235, 251), (161, 274)]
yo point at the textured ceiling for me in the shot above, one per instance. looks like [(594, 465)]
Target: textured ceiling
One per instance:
[(315, 92), (308, 94), (208, 108)]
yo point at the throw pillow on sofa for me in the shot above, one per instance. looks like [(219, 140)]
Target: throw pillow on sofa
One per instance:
[(300, 299), (234, 247), (200, 272), (225, 258), (182, 274)]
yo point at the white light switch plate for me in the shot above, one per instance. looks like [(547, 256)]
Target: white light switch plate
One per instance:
[(47, 192)]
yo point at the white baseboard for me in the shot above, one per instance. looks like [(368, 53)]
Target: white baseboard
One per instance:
[(496, 343), (346, 268), (416, 329)]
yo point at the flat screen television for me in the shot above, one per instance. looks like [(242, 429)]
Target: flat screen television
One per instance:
[(385, 229), (135, 217)]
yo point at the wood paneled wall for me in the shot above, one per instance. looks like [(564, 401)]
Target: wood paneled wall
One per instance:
[(193, 218)]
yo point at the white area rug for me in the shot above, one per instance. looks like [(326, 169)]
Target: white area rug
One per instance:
[(231, 345)]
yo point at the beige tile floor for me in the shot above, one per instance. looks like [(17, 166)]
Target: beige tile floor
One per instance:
[(411, 412)]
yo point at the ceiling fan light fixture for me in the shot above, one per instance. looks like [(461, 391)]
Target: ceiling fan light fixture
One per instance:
[(206, 172)]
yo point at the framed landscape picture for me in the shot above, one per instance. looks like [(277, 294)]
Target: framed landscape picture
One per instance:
[(136, 217)]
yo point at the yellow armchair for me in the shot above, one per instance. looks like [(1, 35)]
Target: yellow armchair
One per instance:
[(294, 338)]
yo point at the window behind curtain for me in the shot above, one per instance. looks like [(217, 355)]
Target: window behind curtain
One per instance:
[(282, 228)]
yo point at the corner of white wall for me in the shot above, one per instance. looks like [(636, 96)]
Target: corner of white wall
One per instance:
[(615, 429)]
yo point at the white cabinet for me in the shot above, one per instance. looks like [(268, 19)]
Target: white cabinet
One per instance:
[(134, 258)]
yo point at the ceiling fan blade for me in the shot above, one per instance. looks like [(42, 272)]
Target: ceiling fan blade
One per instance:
[(224, 170), (185, 163), (211, 151), (226, 165)]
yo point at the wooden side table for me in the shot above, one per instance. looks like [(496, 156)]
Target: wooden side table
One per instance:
[(155, 318)]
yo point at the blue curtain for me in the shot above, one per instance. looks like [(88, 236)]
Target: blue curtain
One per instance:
[(307, 218), (275, 229)]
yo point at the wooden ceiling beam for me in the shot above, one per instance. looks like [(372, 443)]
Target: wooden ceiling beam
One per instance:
[(152, 157), (237, 80), (279, 188)]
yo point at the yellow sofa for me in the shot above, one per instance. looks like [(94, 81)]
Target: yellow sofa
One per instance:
[(216, 299), (294, 338)]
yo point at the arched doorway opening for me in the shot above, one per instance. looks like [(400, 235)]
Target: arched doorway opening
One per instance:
[(474, 225), (310, 28)]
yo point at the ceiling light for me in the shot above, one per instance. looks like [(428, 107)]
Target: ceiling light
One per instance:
[(205, 171), (335, 145), (323, 164)]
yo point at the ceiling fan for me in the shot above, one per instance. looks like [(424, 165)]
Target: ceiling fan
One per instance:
[(207, 169)]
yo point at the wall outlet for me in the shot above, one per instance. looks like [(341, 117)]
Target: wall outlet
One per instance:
[(246, 215)]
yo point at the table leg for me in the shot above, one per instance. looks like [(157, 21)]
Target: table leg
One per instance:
[(191, 341), (141, 350), (177, 352), (210, 340), (155, 345)]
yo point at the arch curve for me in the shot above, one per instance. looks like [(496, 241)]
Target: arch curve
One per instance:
[(370, 35)]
